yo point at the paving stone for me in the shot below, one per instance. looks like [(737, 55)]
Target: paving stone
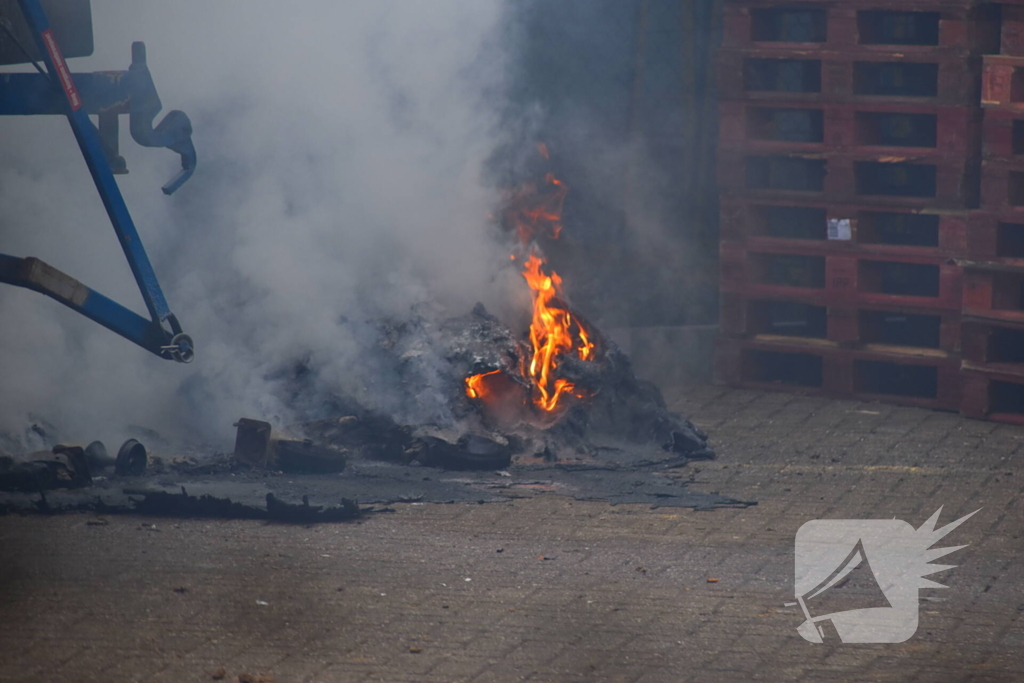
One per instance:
[(626, 597)]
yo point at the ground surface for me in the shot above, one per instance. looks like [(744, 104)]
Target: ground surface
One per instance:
[(546, 589)]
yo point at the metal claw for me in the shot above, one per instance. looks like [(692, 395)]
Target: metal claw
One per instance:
[(174, 131), (180, 349)]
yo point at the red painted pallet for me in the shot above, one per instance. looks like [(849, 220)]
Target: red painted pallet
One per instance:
[(861, 25), (991, 395), (867, 375), (994, 346), (821, 76), (993, 291), (920, 181), (1002, 186), (996, 237), (870, 229), (828, 278), (1003, 135), (1012, 30), (897, 330), (862, 128), (1002, 82)]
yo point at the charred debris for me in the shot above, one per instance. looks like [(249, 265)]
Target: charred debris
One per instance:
[(619, 444)]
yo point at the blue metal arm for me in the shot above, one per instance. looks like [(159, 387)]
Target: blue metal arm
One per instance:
[(28, 94), (108, 94), (174, 131), (34, 274)]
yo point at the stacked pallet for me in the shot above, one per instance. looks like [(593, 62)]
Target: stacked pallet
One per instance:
[(993, 299), (848, 158)]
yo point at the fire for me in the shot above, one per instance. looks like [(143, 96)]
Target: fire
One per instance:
[(536, 209), (555, 333), (476, 385)]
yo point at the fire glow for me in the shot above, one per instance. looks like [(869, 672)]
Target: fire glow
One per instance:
[(477, 387), (555, 333)]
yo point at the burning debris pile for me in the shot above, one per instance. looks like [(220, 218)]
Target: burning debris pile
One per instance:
[(571, 391), (597, 413), (559, 393), (559, 401)]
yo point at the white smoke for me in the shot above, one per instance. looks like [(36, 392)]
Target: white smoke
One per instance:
[(340, 150)]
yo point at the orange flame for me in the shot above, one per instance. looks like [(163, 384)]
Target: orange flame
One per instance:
[(553, 334), (476, 385), (534, 211)]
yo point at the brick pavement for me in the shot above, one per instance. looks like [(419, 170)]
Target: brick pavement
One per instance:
[(544, 589)]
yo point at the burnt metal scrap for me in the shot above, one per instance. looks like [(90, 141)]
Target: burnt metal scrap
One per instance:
[(70, 466), (167, 504), (97, 457), (307, 514), (131, 459), (257, 445), (470, 452), (68, 469)]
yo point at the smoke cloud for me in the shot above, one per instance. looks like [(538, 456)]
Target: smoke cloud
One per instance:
[(339, 183)]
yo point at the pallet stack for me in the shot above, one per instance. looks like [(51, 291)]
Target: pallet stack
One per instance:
[(849, 155), (993, 299)]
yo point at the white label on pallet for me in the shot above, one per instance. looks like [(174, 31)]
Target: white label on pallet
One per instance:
[(839, 229)]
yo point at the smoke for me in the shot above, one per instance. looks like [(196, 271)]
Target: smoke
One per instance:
[(630, 118), (339, 183)]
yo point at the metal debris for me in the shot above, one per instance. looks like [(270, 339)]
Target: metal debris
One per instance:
[(97, 457), (69, 470), (166, 504), (131, 459), (259, 446)]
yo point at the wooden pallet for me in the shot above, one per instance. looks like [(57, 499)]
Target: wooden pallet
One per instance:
[(1002, 186), (1012, 29), (921, 181), (914, 281), (893, 130), (882, 230), (803, 318), (991, 395), (1001, 82), (1003, 135), (994, 345), (993, 291), (774, 74), (822, 370), (858, 25), (996, 237)]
